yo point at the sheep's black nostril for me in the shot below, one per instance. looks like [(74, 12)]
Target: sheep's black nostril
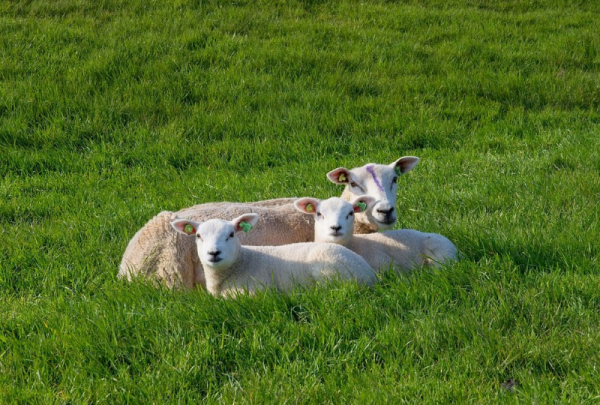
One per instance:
[(336, 228), (215, 253), (386, 212)]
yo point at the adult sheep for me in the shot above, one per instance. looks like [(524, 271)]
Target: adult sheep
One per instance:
[(159, 252)]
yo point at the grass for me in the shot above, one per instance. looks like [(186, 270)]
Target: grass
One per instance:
[(112, 111)]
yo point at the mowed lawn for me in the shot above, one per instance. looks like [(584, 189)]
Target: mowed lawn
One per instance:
[(112, 111)]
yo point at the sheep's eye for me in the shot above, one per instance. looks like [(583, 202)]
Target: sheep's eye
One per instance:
[(354, 184), (198, 236), (394, 181), (350, 214), (231, 235), (319, 214)]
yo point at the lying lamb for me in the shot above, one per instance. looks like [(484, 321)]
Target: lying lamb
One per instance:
[(158, 252), (230, 268), (406, 249)]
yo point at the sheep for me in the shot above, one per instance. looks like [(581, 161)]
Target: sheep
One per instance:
[(406, 249), (230, 268), (379, 181), (156, 251)]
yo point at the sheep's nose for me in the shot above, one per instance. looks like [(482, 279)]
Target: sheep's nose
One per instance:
[(336, 227), (214, 253), (386, 212)]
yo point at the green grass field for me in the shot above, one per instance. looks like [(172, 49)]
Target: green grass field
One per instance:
[(111, 111)]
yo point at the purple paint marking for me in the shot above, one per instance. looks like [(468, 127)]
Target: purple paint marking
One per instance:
[(370, 170)]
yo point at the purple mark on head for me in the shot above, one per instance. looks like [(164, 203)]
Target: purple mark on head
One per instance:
[(370, 170)]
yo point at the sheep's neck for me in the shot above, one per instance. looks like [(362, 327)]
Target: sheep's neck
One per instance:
[(216, 279)]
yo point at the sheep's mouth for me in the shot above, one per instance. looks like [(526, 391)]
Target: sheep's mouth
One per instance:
[(215, 259), (387, 223), (336, 234)]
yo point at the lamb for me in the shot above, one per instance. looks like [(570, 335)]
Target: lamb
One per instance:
[(156, 251), (405, 249), (379, 181), (230, 268)]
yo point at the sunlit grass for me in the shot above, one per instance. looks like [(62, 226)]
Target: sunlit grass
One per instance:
[(113, 111)]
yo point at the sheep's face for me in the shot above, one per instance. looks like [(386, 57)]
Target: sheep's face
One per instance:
[(216, 240), (218, 245), (334, 218), (379, 181)]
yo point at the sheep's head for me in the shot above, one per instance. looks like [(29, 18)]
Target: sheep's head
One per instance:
[(379, 181), (216, 239), (334, 218)]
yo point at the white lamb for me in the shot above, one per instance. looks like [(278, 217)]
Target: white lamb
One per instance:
[(156, 251), (406, 249), (230, 268)]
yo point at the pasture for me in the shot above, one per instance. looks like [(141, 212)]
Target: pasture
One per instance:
[(112, 111)]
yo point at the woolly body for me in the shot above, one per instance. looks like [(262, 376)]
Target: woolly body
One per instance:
[(405, 249)]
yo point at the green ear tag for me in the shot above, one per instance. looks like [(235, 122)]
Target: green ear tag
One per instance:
[(245, 226), (188, 229), (398, 170), (342, 177), (310, 207), (361, 205)]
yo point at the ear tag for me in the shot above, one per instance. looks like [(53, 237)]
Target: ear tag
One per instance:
[(361, 205), (310, 207), (188, 229), (245, 226), (398, 170), (342, 177)]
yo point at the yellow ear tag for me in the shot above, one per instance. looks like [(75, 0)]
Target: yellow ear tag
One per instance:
[(310, 207), (361, 205), (245, 226), (188, 229), (342, 177)]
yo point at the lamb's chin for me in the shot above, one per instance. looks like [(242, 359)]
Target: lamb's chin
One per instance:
[(335, 238), (385, 225)]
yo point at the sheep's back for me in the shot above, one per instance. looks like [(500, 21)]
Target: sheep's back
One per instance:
[(157, 250)]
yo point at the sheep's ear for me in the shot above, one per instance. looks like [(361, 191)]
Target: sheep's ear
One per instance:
[(185, 226), (405, 164), (341, 175), (363, 203), (244, 222), (307, 205)]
